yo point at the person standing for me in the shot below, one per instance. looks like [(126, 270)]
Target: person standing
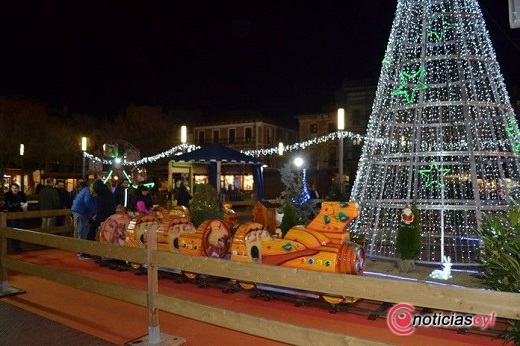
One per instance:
[(105, 207), (184, 196), (144, 201), (76, 190), (15, 201), (83, 210), (65, 200), (176, 190), (122, 194), (49, 200), (313, 193)]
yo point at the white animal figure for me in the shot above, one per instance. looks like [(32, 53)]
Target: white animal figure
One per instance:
[(445, 273), (279, 218)]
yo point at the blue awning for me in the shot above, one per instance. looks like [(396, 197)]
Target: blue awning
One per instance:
[(217, 153)]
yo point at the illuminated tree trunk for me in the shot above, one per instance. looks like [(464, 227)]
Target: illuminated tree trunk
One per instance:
[(442, 133)]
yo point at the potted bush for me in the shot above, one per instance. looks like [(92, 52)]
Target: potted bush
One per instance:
[(408, 242), (290, 218), (205, 205), (500, 258)]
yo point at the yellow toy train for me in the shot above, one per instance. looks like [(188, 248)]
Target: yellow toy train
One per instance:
[(322, 245)]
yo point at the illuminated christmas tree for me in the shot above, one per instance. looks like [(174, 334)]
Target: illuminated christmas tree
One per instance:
[(442, 133)]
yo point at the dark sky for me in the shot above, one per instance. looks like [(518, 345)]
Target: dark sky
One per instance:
[(279, 57)]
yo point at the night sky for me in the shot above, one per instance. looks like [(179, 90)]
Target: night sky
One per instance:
[(277, 57)]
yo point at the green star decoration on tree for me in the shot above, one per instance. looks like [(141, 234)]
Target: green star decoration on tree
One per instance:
[(439, 35), (436, 170), (411, 84)]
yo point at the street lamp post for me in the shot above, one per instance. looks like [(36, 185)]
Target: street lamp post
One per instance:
[(184, 138), (341, 127), (184, 134), (298, 162), (83, 149), (281, 148), (22, 151)]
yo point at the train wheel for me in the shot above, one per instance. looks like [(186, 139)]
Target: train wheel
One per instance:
[(351, 300), (246, 285), (135, 265), (333, 300), (190, 275)]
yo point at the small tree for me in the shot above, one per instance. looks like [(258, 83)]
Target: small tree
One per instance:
[(290, 218), (296, 195), (408, 242), (500, 258), (205, 205)]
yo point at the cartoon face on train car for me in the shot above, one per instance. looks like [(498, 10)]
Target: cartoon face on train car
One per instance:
[(212, 239), (176, 227), (247, 242), (113, 229), (139, 226), (217, 239)]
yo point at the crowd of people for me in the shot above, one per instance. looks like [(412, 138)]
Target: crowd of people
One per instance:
[(15, 201), (90, 203), (95, 203)]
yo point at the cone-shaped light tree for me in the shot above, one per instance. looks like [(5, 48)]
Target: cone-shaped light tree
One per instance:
[(442, 133)]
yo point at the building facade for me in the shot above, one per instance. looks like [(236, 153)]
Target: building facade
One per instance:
[(246, 133), (356, 98)]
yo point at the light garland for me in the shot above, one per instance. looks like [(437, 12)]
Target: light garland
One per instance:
[(333, 136), (176, 150), (183, 148), (442, 134)]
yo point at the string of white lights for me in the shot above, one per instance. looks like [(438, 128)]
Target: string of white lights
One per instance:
[(183, 148), (176, 150)]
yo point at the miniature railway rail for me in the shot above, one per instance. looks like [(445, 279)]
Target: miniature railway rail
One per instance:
[(371, 309)]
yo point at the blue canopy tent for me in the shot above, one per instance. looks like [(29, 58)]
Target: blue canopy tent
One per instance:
[(216, 153)]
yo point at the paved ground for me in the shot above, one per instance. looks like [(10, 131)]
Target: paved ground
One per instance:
[(20, 327)]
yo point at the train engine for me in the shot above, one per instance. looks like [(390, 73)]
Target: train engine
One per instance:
[(323, 245)]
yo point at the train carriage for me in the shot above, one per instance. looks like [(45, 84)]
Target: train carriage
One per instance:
[(322, 245)]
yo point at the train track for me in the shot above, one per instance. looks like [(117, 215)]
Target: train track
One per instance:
[(372, 310)]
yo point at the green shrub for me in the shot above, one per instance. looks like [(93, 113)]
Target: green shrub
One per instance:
[(500, 258), (290, 218), (205, 205)]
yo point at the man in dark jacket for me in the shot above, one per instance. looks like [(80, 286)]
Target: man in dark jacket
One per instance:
[(105, 207), (123, 194), (65, 200), (49, 200), (15, 201)]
